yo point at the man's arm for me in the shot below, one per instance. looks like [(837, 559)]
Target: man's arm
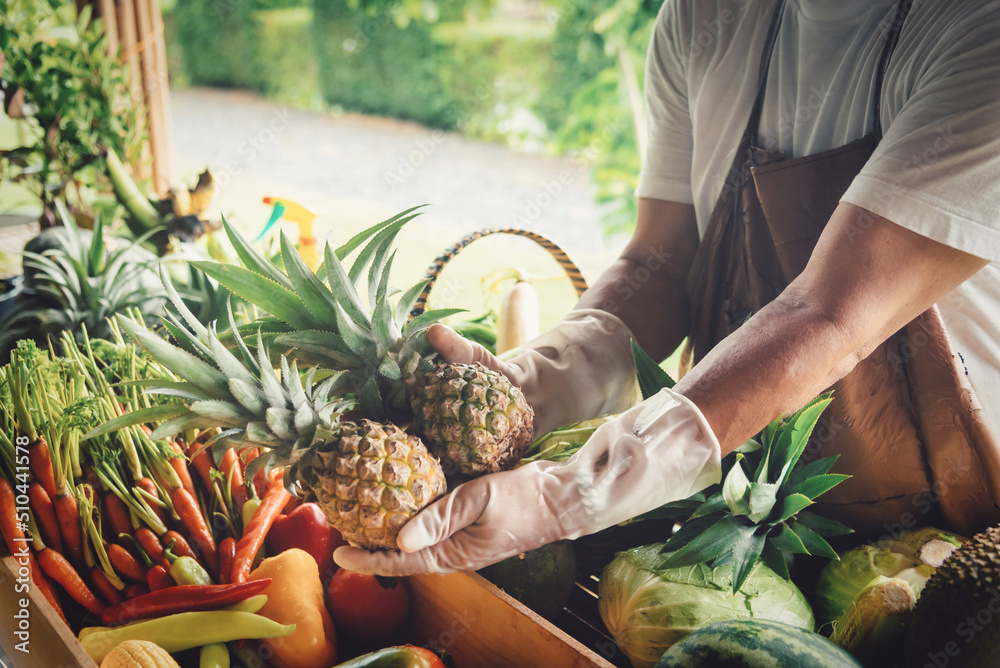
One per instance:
[(866, 279), (645, 286)]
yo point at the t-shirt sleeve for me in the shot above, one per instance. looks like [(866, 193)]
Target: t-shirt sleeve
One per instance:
[(937, 169), (666, 171)]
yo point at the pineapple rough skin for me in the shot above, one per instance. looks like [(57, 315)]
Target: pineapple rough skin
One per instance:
[(956, 621), (472, 417), (370, 479)]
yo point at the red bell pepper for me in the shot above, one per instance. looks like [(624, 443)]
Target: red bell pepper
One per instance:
[(307, 529)]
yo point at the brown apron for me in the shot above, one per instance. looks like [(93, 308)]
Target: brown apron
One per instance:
[(904, 421)]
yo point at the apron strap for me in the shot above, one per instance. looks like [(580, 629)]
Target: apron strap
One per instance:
[(891, 40), (765, 63)]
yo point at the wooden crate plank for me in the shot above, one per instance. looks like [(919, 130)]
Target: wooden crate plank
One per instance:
[(51, 643), (482, 626)]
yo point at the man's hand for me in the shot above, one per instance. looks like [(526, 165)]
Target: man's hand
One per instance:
[(579, 369), (453, 347), (659, 451)]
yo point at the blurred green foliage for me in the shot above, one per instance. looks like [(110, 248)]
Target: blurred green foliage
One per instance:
[(370, 63), (446, 63), (72, 98)]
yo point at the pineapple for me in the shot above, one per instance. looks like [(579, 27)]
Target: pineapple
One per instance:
[(474, 419), (369, 478)]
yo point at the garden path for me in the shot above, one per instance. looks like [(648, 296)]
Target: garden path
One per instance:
[(357, 170)]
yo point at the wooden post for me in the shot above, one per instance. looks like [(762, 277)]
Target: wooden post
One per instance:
[(153, 89), (136, 27)]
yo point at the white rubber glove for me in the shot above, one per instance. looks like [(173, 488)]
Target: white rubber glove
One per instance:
[(579, 369), (659, 451)]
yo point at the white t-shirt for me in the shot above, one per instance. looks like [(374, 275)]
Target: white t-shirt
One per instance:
[(937, 168)]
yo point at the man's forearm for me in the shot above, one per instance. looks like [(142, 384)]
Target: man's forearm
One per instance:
[(648, 300), (857, 289), (772, 366), (645, 287)]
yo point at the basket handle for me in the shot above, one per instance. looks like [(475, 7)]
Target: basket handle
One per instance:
[(573, 272)]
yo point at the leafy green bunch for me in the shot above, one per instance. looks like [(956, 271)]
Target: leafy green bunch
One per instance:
[(758, 513)]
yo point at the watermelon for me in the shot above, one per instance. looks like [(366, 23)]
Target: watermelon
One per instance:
[(542, 579), (755, 643)]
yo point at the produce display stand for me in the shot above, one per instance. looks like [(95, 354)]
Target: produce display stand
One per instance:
[(479, 625)]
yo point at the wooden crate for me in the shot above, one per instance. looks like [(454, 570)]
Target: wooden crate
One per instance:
[(51, 643), (478, 624)]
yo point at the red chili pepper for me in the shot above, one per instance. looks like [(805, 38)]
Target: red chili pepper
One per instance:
[(45, 515), (158, 577), (227, 553), (182, 598), (307, 528), (254, 532), (135, 590), (104, 587)]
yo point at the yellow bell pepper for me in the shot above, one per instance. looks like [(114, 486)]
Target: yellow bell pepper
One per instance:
[(295, 596)]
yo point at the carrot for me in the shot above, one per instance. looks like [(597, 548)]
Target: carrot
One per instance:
[(104, 587), (227, 552), (40, 463), (179, 464), (158, 577), (10, 528), (45, 515), (135, 590), (181, 547), (67, 511), (190, 513), (116, 514), (231, 463), (60, 570), (151, 544), (203, 464), (253, 534), (125, 564), (148, 486)]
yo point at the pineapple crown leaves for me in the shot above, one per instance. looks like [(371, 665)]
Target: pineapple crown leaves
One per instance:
[(323, 317), (76, 284), (236, 390), (758, 512)]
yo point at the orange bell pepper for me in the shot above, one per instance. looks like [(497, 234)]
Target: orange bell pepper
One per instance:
[(295, 596)]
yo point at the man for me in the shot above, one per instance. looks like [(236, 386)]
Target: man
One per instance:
[(762, 115)]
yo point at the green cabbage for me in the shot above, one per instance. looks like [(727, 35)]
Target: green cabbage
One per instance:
[(897, 557), (648, 608)]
